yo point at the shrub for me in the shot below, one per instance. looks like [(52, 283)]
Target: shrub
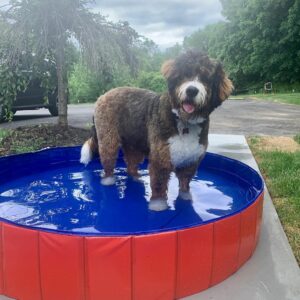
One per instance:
[(153, 81), (87, 86), (83, 86)]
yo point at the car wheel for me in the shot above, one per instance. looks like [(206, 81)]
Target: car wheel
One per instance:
[(1, 114), (53, 105), (53, 110)]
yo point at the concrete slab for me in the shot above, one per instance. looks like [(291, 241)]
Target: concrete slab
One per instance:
[(272, 273)]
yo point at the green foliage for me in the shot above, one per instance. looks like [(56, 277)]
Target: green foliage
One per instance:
[(259, 41), (16, 72), (153, 81), (173, 51), (86, 85), (148, 55), (46, 28), (83, 86), (3, 134), (12, 81), (208, 40), (297, 138)]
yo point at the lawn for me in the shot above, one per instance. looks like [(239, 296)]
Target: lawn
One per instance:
[(279, 163), (291, 98)]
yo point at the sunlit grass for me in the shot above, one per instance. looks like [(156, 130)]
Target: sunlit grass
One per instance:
[(281, 171), (291, 98)]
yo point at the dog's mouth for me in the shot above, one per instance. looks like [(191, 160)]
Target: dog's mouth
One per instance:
[(188, 107), (192, 95)]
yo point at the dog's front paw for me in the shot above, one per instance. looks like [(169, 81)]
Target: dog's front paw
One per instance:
[(108, 180), (185, 195), (159, 204)]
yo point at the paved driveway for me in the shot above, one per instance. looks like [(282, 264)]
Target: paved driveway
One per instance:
[(248, 117)]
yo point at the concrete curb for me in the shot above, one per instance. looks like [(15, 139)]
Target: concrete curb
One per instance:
[(272, 273)]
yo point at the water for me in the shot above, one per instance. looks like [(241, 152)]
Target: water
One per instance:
[(67, 197)]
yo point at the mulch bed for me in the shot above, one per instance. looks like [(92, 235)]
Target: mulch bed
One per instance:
[(26, 139)]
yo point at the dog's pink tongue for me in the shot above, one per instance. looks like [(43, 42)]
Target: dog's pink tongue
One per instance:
[(189, 108)]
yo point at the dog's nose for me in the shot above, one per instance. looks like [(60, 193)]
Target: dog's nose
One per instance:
[(191, 91)]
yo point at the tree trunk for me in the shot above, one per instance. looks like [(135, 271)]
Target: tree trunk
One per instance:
[(61, 86)]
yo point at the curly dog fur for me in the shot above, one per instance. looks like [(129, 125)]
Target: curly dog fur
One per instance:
[(171, 129)]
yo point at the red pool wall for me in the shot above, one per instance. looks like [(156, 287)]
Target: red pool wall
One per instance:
[(41, 265)]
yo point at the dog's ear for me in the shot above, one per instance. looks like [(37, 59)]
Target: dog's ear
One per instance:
[(168, 68), (222, 86)]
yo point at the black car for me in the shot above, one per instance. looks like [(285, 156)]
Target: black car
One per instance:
[(34, 97)]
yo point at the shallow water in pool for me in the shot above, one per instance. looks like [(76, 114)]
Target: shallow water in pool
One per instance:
[(69, 198)]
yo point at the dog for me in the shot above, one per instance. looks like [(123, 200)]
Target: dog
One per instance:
[(170, 129)]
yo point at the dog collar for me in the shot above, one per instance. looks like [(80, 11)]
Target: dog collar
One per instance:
[(185, 130)]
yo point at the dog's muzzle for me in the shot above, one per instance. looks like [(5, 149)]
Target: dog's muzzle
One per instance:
[(192, 94)]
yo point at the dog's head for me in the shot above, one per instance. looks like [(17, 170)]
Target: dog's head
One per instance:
[(196, 84)]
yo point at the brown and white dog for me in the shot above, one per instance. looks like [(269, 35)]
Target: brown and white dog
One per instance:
[(171, 129)]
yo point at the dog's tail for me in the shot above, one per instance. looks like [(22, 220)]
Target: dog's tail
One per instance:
[(89, 148)]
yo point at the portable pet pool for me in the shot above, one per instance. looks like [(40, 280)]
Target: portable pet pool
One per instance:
[(65, 236)]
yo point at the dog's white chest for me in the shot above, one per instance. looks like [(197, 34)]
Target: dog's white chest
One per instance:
[(185, 147)]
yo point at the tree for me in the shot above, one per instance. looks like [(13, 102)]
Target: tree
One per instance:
[(290, 41), (209, 40), (46, 27), (255, 31), (258, 42), (12, 79)]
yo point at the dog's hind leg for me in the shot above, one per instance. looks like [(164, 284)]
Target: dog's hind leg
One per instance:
[(132, 158), (108, 145), (90, 147)]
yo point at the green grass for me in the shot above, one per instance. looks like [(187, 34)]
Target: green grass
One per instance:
[(291, 98), (238, 97), (297, 138), (32, 138), (281, 171), (21, 145), (26, 146)]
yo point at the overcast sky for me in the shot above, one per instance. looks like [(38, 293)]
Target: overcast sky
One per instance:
[(166, 22)]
